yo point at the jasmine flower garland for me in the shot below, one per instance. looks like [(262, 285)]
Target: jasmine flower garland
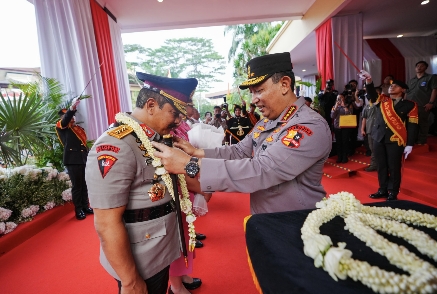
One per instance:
[(186, 205), (362, 221)]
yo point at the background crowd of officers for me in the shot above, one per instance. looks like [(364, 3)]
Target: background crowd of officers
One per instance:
[(353, 99), (332, 103), (236, 126)]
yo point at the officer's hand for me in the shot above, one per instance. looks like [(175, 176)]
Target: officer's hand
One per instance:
[(428, 106), (173, 159), (364, 75), (363, 133), (184, 145), (74, 103), (407, 151), (139, 287)]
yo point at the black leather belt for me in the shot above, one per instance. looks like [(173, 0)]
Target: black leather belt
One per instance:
[(146, 214)]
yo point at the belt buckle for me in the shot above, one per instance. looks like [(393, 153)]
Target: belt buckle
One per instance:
[(173, 205)]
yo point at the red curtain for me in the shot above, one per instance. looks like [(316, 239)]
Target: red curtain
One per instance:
[(106, 56), (324, 51), (392, 60)]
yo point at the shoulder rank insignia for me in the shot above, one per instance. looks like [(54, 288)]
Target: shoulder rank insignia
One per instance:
[(120, 131)]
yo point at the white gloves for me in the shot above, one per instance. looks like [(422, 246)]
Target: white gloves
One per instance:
[(364, 75), (407, 151), (74, 103)]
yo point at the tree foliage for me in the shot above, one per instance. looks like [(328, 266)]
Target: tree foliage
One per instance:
[(249, 41), (183, 57), (27, 122)]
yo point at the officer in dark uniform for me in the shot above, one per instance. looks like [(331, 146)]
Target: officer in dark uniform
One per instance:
[(238, 126), (73, 138), (395, 126), (327, 100)]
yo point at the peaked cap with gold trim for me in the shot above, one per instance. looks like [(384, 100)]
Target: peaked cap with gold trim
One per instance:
[(177, 91), (261, 68)]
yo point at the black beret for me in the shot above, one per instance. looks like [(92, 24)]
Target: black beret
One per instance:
[(400, 84), (261, 68), (236, 106), (62, 111)]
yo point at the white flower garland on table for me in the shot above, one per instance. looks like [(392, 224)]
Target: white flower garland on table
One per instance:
[(338, 263), (186, 205)]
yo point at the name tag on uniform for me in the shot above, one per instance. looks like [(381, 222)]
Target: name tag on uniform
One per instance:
[(423, 84)]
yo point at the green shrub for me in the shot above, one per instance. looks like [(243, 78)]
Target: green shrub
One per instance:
[(27, 186)]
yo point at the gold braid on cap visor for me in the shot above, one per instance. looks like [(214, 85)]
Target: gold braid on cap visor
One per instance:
[(254, 81), (181, 106)]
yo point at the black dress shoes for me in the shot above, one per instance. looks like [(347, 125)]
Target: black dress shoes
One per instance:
[(199, 244), (391, 196), (370, 168), (378, 195), (194, 285), (80, 215), (88, 210), (200, 236)]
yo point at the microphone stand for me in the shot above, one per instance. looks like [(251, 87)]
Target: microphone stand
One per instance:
[(168, 141)]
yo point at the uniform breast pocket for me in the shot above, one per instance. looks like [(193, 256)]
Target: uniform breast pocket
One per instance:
[(146, 231), (273, 189)]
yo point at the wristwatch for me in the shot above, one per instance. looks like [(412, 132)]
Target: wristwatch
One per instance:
[(192, 168)]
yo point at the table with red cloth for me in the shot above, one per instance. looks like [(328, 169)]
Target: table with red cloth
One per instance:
[(275, 248)]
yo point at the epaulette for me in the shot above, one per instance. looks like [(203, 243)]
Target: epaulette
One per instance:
[(120, 131)]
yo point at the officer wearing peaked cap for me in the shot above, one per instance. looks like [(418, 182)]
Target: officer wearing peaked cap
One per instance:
[(134, 213), (393, 132), (280, 163), (238, 126), (74, 140)]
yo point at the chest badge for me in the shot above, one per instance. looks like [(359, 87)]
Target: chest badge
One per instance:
[(240, 131), (156, 192)]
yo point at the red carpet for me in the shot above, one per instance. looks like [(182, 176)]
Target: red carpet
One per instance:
[(63, 257)]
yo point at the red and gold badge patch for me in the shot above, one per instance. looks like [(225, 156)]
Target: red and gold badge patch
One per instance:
[(106, 162), (261, 128), (148, 131), (294, 135), (112, 148)]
